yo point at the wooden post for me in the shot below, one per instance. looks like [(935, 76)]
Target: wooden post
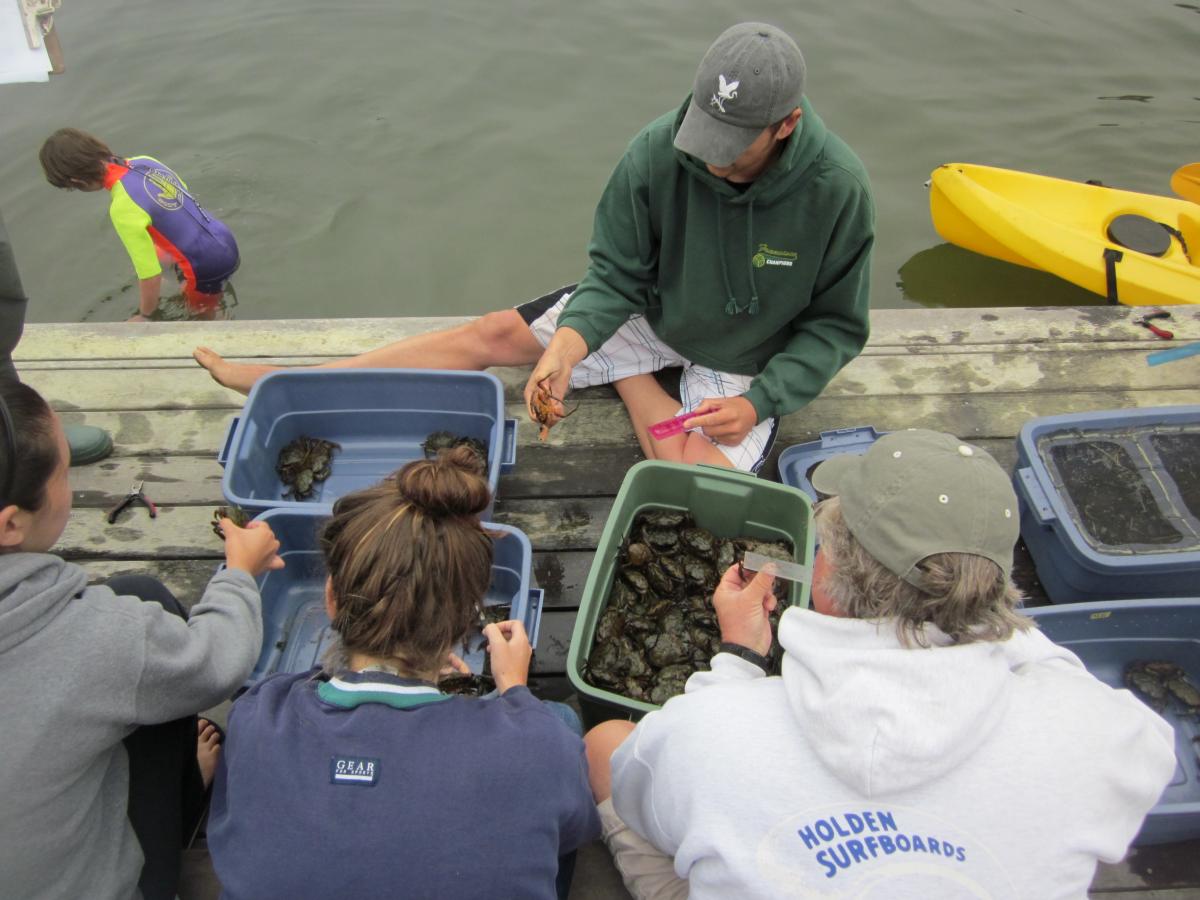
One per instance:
[(54, 49)]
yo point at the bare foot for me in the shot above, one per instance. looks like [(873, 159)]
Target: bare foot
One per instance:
[(236, 376), (208, 749)]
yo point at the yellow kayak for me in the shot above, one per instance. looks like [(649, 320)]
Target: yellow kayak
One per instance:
[(1133, 248)]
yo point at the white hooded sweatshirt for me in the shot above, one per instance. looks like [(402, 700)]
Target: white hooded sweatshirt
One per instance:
[(874, 770)]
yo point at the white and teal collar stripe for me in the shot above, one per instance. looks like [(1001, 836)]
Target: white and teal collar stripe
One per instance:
[(351, 689)]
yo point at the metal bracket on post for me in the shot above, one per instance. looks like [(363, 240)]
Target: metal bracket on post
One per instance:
[(38, 18)]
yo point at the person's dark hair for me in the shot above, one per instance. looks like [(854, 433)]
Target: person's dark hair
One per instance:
[(70, 155), (28, 449), (410, 562)]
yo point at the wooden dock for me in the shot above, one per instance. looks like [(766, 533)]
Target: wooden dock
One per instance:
[(979, 374)]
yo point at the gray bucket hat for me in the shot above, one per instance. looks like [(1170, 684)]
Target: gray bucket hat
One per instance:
[(916, 493), (751, 77)]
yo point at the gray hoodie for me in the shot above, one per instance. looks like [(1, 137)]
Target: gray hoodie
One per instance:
[(80, 668)]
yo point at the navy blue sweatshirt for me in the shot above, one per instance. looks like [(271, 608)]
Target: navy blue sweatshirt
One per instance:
[(369, 785)]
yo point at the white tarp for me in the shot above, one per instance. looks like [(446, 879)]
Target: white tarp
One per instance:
[(17, 61)]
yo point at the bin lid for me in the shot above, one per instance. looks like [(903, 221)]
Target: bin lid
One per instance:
[(1129, 489)]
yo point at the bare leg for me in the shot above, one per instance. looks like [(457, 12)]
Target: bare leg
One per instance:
[(496, 339), (208, 748), (600, 743), (201, 307), (700, 449), (647, 403)]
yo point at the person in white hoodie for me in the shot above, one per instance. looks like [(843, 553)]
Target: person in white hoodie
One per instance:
[(923, 741)]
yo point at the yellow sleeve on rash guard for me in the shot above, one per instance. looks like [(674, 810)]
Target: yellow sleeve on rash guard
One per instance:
[(131, 223)]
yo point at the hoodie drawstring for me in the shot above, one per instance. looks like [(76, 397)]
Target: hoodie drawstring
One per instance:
[(753, 307), (731, 306)]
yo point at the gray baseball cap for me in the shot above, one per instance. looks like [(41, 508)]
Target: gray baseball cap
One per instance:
[(751, 77), (916, 493)]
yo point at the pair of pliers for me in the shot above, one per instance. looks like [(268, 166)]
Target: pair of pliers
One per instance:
[(1145, 322), (135, 495)]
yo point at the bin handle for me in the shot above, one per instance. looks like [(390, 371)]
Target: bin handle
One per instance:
[(533, 614), (1038, 501), (508, 451), (223, 453), (839, 436), (726, 470)]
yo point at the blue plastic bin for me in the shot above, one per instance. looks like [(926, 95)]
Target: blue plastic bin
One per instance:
[(295, 628), (1106, 637), (1110, 502), (380, 417), (796, 463)]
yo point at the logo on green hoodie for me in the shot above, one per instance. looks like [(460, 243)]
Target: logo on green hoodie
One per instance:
[(768, 257)]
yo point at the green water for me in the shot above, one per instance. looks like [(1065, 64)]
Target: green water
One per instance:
[(387, 158)]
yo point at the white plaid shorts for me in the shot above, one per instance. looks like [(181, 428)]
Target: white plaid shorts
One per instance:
[(636, 350)]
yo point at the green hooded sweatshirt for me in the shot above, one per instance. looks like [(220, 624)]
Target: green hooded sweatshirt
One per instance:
[(772, 281)]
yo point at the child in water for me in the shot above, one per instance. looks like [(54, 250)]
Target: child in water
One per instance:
[(154, 215), (103, 774), (363, 779)]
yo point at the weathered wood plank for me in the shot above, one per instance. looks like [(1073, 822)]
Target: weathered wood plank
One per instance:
[(185, 532), (196, 480), (545, 471), (604, 426), (1134, 338), (554, 642), (344, 337), (1161, 866), (561, 574), (885, 375)]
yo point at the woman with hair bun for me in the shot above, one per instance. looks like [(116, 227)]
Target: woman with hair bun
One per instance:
[(362, 779)]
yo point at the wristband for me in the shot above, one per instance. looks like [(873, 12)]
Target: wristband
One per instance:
[(763, 662)]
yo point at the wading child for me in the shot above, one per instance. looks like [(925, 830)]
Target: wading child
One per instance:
[(364, 780), (94, 805), (154, 215)]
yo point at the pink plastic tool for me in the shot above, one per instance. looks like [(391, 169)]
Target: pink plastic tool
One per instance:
[(669, 427)]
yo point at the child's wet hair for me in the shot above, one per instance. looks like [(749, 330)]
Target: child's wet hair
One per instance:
[(410, 562), (28, 449), (70, 156)]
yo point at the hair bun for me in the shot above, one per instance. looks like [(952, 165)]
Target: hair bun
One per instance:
[(450, 484)]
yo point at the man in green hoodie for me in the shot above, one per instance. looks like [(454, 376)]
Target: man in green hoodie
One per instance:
[(733, 239)]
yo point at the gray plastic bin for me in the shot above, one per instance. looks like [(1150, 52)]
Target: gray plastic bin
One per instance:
[(1106, 637)]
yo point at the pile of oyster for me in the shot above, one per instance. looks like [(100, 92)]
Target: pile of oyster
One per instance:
[(447, 440), (303, 463), (235, 514), (659, 625), (1159, 682), (476, 685), (467, 685)]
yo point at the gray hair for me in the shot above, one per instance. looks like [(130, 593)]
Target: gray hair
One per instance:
[(968, 597)]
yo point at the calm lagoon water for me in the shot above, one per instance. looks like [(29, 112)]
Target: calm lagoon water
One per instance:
[(380, 158)]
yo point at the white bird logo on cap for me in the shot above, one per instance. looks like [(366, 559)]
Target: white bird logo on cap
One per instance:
[(726, 90)]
